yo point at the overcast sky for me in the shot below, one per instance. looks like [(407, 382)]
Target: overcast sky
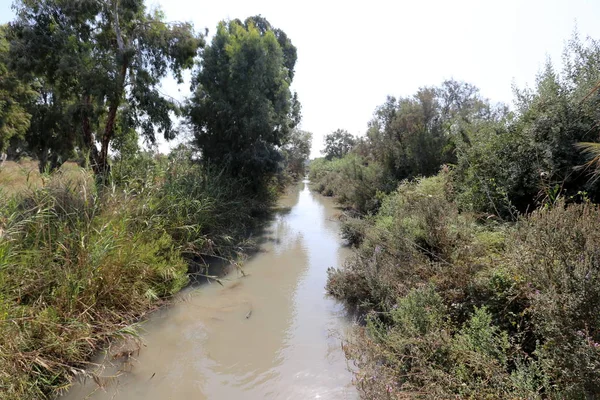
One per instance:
[(351, 55)]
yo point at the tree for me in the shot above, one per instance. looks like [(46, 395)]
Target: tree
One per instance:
[(338, 143), (14, 118), (531, 157), (414, 136), (52, 135), (109, 57), (242, 110), (297, 152)]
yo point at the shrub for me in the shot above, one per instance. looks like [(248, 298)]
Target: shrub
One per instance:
[(416, 237), (354, 181), (403, 357), (417, 354), (479, 358), (557, 251), (512, 309), (353, 229)]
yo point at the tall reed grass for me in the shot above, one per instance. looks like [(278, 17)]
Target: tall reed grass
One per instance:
[(80, 264)]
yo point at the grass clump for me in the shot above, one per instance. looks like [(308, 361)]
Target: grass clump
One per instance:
[(74, 268)]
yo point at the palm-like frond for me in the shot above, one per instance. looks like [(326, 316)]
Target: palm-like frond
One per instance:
[(592, 150)]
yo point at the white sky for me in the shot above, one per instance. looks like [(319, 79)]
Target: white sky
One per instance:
[(352, 54)]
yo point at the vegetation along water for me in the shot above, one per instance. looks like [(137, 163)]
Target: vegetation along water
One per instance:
[(458, 255)]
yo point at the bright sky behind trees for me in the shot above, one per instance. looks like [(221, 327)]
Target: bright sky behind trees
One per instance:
[(352, 54)]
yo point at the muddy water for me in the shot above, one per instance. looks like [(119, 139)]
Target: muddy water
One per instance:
[(270, 335)]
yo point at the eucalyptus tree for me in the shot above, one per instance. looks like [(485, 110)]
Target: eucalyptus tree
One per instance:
[(108, 57)]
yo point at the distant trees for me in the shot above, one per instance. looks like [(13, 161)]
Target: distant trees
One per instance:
[(242, 110), (14, 117), (338, 143), (297, 152), (502, 162), (99, 64), (407, 138), (414, 136)]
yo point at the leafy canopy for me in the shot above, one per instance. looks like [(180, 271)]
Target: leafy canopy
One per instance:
[(14, 118), (338, 143), (108, 57), (242, 110)]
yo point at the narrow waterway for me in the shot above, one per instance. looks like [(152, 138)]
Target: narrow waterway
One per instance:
[(273, 334)]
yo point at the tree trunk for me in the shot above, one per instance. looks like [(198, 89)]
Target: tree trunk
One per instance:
[(43, 159), (109, 128), (88, 137), (99, 158)]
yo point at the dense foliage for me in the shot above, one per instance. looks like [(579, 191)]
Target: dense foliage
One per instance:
[(242, 110), (519, 162), (100, 64), (476, 260), (14, 118)]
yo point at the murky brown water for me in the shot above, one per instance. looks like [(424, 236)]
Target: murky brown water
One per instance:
[(205, 347)]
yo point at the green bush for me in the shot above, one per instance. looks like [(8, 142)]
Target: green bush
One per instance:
[(406, 354), (479, 358), (557, 251), (354, 181), (419, 353), (416, 235), (353, 229)]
